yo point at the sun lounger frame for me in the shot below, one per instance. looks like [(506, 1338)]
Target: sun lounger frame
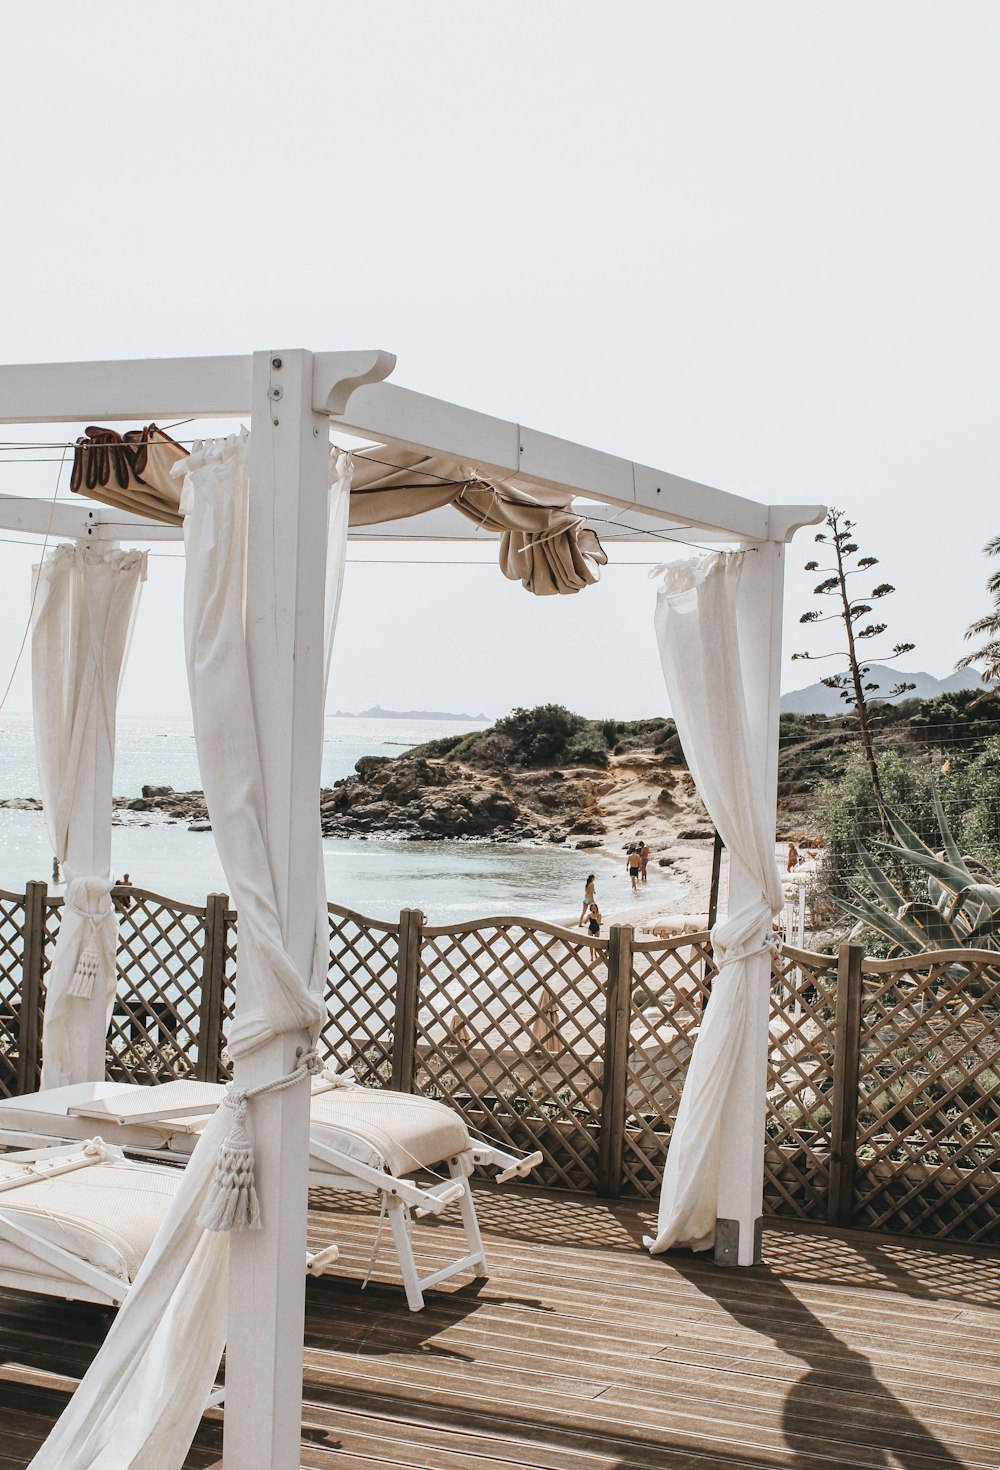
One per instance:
[(403, 1198)]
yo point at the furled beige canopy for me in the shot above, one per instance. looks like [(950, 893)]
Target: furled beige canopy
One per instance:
[(544, 545)]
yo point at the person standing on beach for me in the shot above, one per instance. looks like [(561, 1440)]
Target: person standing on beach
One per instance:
[(633, 863), (643, 856), (594, 920), (589, 897)]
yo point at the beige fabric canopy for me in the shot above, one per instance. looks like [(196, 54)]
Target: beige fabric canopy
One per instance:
[(543, 544)]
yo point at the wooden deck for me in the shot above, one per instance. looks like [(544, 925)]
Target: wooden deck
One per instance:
[(582, 1353)]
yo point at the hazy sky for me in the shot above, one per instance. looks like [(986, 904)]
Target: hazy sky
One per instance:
[(752, 243)]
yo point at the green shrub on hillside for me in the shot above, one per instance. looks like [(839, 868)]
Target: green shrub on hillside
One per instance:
[(540, 736), (955, 721), (551, 735), (587, 748)]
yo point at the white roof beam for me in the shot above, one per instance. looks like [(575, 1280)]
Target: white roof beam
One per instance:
[(501, 448), (36, 517), (108, 392), (348, 387), (176, 387)]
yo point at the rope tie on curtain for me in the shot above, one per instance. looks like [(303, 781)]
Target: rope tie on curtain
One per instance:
[(231, 1203), (89, 901), (773, 945)]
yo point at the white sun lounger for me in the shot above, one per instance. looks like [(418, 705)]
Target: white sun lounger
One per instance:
[(361, 1139), (76, 1222)]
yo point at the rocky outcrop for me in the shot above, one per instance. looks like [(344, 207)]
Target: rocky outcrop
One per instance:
[(421, 798), (175, 806), (431, 797)]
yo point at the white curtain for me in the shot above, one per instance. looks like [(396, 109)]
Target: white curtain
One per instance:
[(84, 610), (174, 1318), (703, 621)]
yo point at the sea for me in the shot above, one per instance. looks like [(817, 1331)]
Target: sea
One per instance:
[(449, 881)]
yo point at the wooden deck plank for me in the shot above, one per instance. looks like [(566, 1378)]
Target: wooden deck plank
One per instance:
[(844, 1352)]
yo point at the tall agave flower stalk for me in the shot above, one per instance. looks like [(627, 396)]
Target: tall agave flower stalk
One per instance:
[(961, 909)]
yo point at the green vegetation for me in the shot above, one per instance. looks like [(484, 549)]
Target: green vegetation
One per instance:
[(940, 798), (961, 903), (938, 761), (551, 735)]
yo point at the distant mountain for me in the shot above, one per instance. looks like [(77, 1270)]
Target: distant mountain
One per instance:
[(378, 713), (817, 699)]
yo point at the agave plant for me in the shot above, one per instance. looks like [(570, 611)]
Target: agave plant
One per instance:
[(961, 909)]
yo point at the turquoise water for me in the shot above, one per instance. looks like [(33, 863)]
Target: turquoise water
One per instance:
[(449, 881)]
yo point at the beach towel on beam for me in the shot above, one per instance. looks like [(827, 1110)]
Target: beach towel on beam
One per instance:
[(81, 626), (701, 624), (130, 471)]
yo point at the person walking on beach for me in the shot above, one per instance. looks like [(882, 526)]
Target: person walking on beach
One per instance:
[(589, 897), (594, 920), (643, 857), (633, 863)]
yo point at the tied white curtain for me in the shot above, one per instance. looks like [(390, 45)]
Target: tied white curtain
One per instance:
[(703, 615), (84, 611), (139, 1404)]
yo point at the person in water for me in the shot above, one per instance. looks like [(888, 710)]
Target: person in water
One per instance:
[(633, 863), (589, 897)]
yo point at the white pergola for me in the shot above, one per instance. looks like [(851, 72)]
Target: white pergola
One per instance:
[(305, 398)]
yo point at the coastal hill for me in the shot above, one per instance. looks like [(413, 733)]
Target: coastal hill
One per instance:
[(548, 774), (818, 699), (378, 713)]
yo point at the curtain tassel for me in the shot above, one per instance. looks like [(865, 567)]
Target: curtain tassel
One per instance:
[(87, 966), (232, 1198)]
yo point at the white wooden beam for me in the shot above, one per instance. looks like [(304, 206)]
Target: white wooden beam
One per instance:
[(387, 413), (498, 447), (107, 392), (284, 618), (36, 517), (614, 525), (349, 387)]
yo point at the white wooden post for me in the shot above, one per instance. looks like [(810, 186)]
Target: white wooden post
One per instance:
[(285, 585), (741, 1173)]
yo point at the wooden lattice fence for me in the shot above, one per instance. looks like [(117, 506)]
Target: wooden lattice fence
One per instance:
[(883, 1107)]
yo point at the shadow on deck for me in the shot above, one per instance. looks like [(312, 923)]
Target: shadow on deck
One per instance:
[(583, 1353)]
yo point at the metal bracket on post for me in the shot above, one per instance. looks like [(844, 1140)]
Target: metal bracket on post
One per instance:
[(727, 1242)]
